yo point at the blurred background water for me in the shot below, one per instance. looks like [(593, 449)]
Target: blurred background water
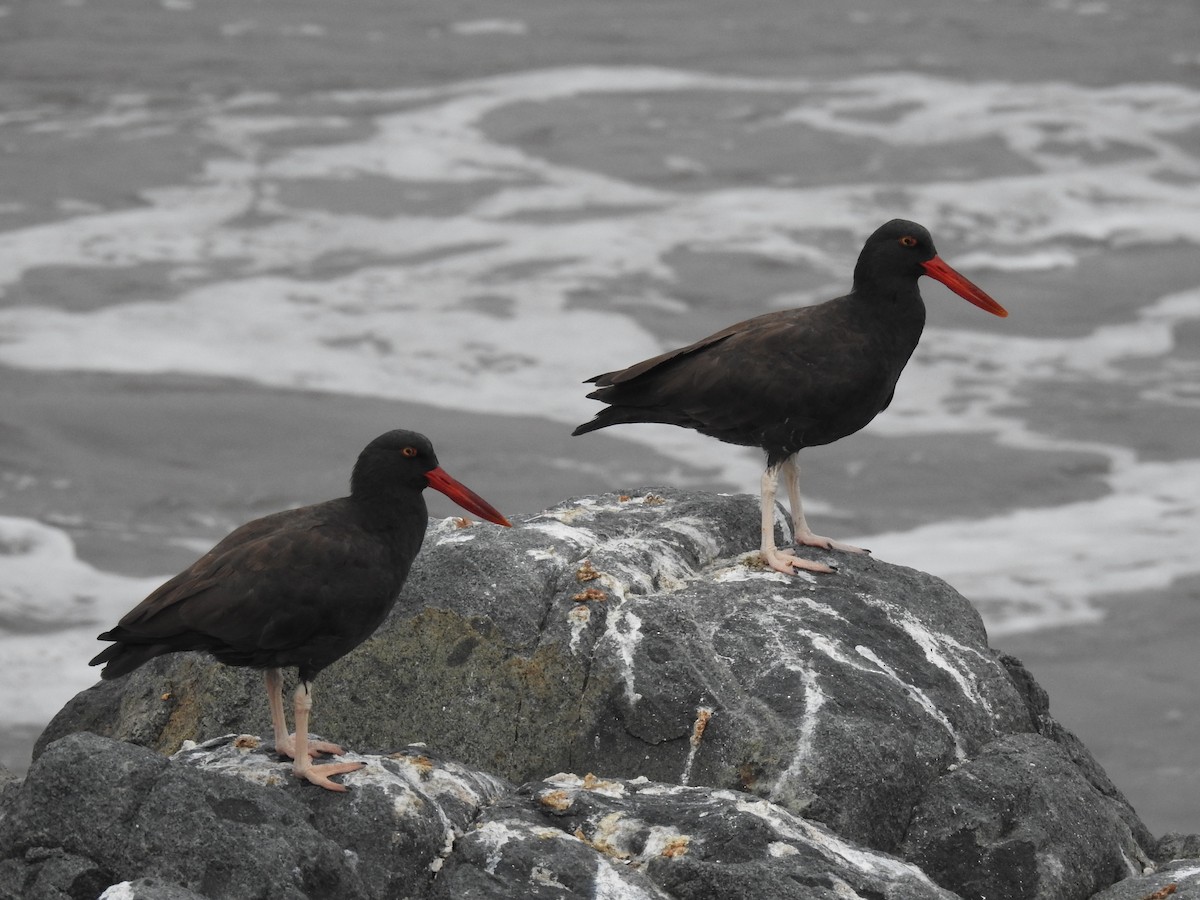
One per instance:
[(238, 241)]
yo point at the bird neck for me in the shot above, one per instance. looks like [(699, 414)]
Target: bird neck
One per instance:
[(389, 509), (895, 296), (894, 314)]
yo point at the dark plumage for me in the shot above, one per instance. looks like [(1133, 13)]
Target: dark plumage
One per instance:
[(794, 378), (301, 587)]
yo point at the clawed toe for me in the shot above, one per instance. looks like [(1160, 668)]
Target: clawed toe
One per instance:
[(789, 564), (824, 543), (287, 747), (319, 775), (318, 748)]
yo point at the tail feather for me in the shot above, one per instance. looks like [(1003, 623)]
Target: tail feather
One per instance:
[(121, 659), (634, 415), (617, 415), (593, 425)]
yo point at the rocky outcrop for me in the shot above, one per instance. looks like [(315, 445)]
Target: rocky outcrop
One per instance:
[(626, 636), (226, 819), (95, 812)]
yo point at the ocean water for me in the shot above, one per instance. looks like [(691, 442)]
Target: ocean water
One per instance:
[(484, 244)]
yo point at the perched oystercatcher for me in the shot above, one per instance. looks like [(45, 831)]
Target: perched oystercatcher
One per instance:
[(299, 588), (795, 378)]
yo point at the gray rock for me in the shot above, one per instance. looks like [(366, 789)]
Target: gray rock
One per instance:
[(149, 889), (506, 659), (1180, 880), (642, 839), (1020, 820), (9, 784), (50, 874), (630, 635), (1038, 704), (1174, 845), (227, 820)]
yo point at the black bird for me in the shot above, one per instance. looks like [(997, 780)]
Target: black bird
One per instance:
[(299, 588), (795, 378)]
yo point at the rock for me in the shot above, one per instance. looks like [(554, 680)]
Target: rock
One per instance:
[(1179, 880), (9, 783), (50, 874), (1020, 820), (1174, 845), (227, 820), (1038, 704), (629, 635), (149, 889), (641, 839)]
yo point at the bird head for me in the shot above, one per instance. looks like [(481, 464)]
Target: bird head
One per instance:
[(900, 249), (406, 458)]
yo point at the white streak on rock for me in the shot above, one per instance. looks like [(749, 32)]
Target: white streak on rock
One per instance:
[(940, 650), (698, 531), (816, 606), (570, 781), (610, 885), (814, 699), (625, 632), (918, 695), (843, 890), (546, 877), (796, 829), (559, 530), (584, 508), (415, 785), (743, 573), (622, 556), (495, 835)]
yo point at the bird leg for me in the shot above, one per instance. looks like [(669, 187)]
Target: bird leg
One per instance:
[(285, 743), (772, 556), (789, 470), (303, 766)]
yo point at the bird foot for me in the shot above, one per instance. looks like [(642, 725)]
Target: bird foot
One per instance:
[(788, 564), (319, 775), (809, 539), (287, 747)]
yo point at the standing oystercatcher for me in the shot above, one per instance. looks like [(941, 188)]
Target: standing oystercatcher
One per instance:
[(795, 378), (299, 588)]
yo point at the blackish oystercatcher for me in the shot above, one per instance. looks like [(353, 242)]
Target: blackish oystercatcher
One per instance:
[(795, 378), (299, 588)]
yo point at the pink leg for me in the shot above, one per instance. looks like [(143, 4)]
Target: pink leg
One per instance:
[(285, 743), (303, 766), (772, 556), (789, 470)]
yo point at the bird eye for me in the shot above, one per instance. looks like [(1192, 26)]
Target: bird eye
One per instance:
[(908, 241), (409, 451)]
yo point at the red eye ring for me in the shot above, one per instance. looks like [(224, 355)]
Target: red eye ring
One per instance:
[(908, 241), (409, 451)]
